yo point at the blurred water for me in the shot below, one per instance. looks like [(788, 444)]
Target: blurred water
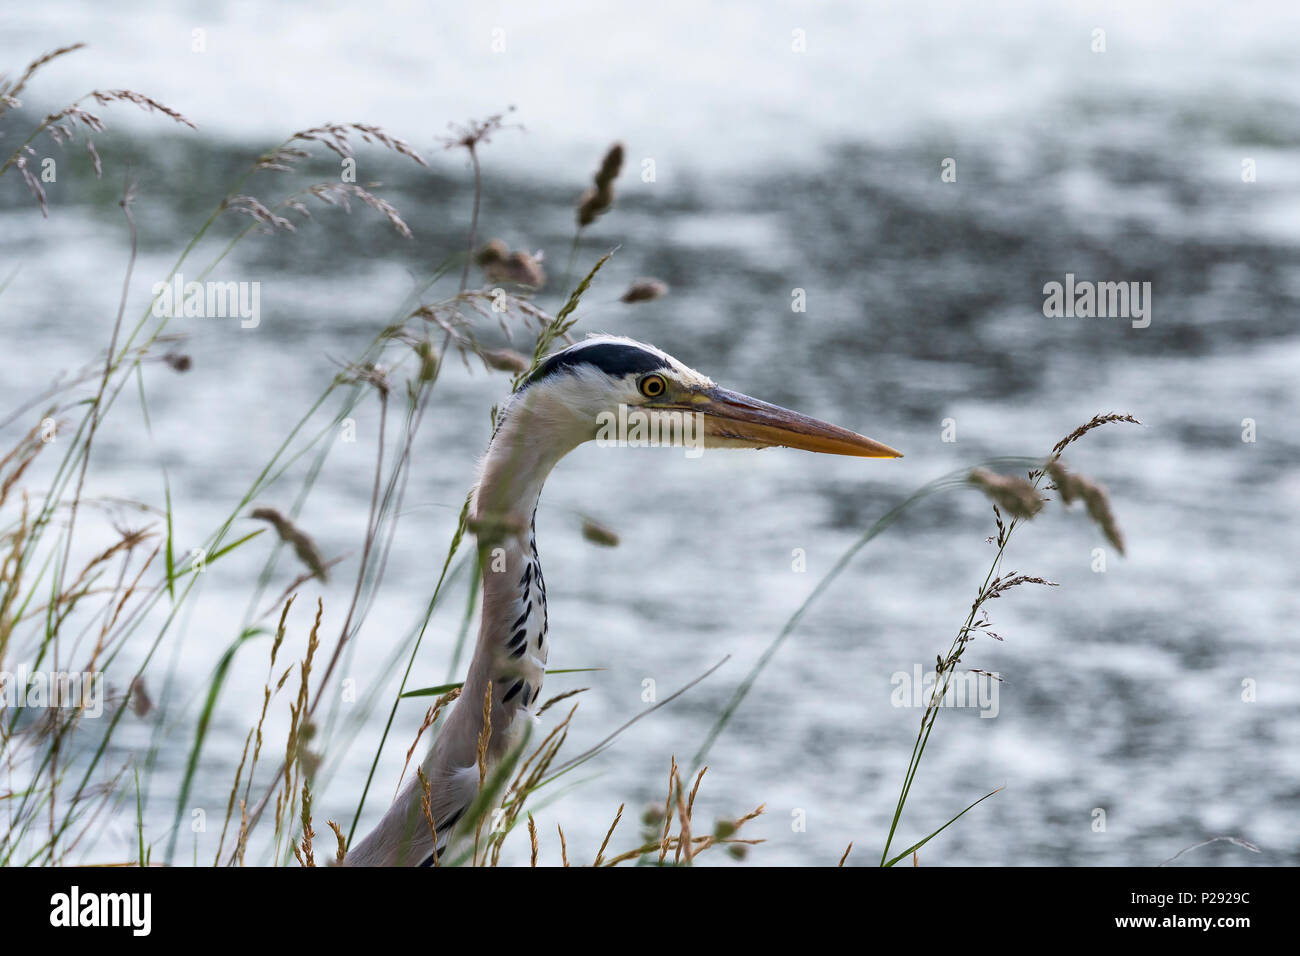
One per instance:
[(775, 171)]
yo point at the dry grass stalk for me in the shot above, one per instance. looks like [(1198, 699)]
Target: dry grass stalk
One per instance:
[(336, 194), (699, 777), (336, 138), (11, 573), (484, 737), (9, 93), (33, 185), (1095, 422), (61, 126), (429, 718), (256, 733), (530, 775), (20, 457), (497, 305), (469, 138), (306, 857), (600, 854), (127, 592), (426, 807), (234, 794), (253, 207), (532, 840), (475, 133), (664, 842), (296, 758), (146, 103), (559, 697), (241, 845), (340, 842), (534, 767), (128, 541), (684, 827), (366, 373), (1004, 582), (723, 835), (1021, 498), (847, 850)]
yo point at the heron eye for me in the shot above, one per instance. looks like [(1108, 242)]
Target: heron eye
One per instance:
[(652, 386)]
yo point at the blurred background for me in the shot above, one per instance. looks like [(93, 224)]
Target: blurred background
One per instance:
[(794, 147)]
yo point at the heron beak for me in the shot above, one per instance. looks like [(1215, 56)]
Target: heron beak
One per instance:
[(732, 416)]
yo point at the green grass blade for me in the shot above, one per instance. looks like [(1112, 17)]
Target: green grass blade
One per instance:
[(139, 817), (201, 731), (170, 555), (921, 843)]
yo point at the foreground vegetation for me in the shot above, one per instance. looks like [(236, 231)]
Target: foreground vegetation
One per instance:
[(66, 773)]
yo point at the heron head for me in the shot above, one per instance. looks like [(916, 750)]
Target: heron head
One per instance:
[(617, 389)]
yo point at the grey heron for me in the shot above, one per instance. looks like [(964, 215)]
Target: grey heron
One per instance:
[(574, 396)]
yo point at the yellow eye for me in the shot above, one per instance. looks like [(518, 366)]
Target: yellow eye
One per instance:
[(652, 386)]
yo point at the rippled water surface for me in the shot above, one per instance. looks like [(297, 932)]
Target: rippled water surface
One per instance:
[(1122, 690)]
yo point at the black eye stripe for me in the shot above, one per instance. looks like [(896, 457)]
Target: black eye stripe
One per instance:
[(616, 359)]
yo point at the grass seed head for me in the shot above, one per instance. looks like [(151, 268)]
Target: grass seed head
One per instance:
[(1013, 495), (610, 166), (525, 269), (645, 290), (302, 544), (1073, 487), (492, 252), (506, 360), (597, 533), (600, 197)]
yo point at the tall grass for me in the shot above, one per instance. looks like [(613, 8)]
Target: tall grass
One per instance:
[(114, 612)]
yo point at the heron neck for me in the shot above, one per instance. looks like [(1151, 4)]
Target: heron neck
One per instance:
[(511, 651), (510, 654)]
